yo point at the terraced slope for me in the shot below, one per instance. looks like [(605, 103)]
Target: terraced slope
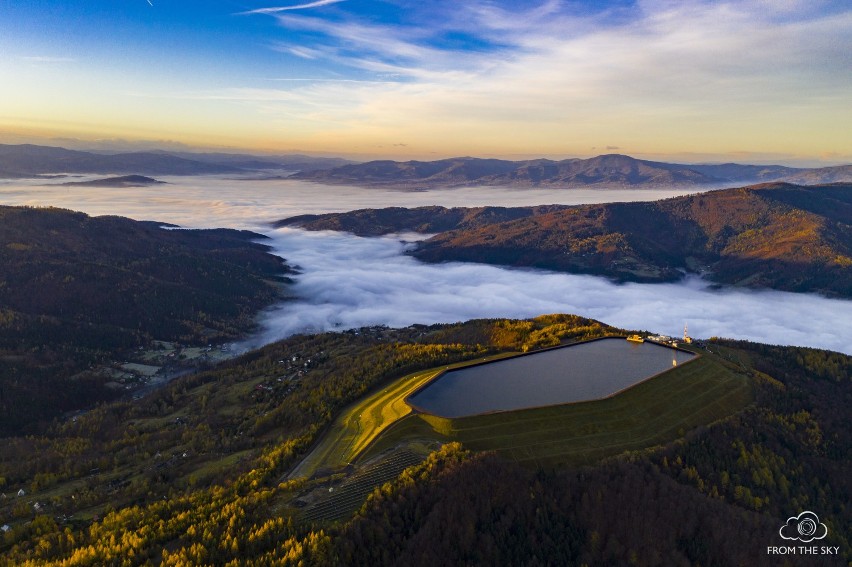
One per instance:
[(361, 423), (344, 500)]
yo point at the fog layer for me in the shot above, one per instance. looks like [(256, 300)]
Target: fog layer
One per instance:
[(209, 201), (350, 282)]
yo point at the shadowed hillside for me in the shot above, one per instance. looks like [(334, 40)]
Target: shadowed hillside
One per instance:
[(780, 236), (77, 290), (376, 222)]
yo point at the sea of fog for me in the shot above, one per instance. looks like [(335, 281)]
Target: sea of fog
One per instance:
[(347, 281)]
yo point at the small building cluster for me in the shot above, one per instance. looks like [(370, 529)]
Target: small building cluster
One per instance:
[(662, 339), (671, 341)]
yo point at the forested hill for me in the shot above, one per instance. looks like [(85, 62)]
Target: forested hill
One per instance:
[(122, 181), (28, 160), (376, 222), (780, 236), (192, 474), (76, 290)]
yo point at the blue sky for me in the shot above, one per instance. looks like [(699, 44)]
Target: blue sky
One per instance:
[(760, 79)]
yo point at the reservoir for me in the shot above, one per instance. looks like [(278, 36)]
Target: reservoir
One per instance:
[(575, 373)]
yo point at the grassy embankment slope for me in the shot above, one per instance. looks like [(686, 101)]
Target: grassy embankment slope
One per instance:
[(364, 421), (653, 412)]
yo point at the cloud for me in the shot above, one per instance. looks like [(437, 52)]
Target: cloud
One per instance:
[(277, 9), (699, 72), (349, 282)]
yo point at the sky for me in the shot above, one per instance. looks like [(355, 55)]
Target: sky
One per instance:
[(693, 81)]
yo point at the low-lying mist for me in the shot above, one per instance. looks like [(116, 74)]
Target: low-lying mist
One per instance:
[(210, 201), (349, 282)]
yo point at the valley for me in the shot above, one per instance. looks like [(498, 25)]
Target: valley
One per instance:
[(777, 236), (84, 299), (326, 283), (309, 440)]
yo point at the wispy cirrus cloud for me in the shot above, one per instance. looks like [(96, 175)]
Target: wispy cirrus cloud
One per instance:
[(277, 9), (742, 74)]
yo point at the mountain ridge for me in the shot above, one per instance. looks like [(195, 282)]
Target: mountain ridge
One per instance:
[(605, 171), (77, 291), (30, 160), (776, 235)]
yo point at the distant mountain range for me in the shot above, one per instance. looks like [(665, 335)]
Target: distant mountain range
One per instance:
[(612, 170), (779, 235), (606, 171), (22, 161)]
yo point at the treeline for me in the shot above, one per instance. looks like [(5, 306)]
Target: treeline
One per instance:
[(478, 510), (76, 291), (523, 335), (179, 443), (789, 452)]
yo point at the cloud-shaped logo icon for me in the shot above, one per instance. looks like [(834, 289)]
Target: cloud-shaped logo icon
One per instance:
[(805, 527)]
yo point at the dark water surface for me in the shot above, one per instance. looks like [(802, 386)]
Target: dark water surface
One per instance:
[(587, 371)]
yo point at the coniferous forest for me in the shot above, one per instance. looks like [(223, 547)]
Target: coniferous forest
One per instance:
[(77, 292), (196, 473)]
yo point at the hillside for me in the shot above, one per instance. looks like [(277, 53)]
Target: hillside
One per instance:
[(122, 181), (606, 171), (27, 160), (777, 236), (293, 162), (821, 175), (192, 474), (376, 222), (79, 291)]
